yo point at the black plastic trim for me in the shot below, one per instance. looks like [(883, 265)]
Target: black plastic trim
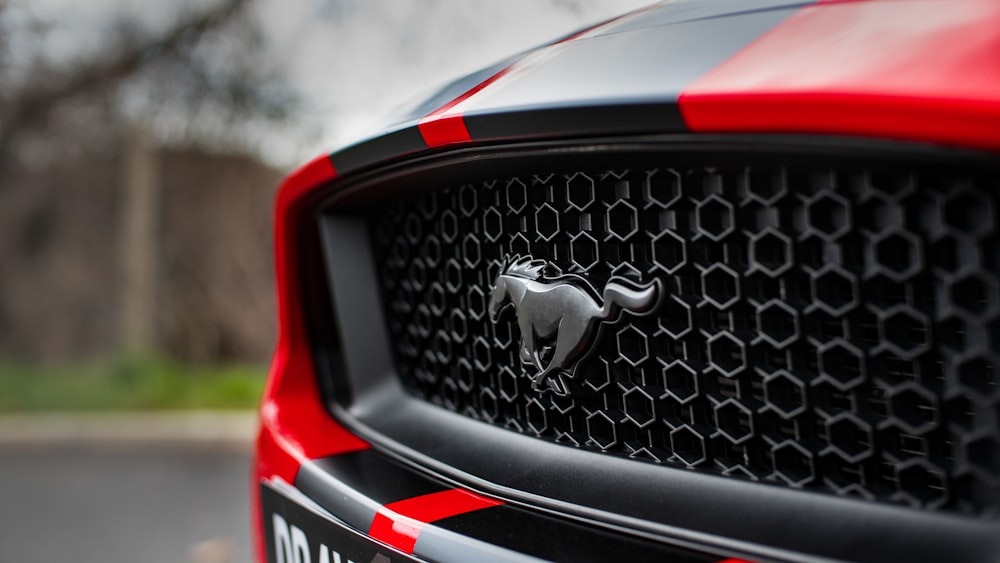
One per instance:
[(577, 121), (382, 481), (438, 544), (514, 527), (312, 533), (401, 142), (353, 487)]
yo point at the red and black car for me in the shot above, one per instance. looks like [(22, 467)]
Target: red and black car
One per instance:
[(711, 281)]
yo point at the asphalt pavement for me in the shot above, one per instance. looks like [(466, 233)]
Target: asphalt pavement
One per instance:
[(94, 496)]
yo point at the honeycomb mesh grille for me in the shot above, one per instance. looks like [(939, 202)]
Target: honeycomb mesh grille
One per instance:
[(828, 330)]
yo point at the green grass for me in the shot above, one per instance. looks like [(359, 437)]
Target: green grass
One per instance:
[(131, 384)]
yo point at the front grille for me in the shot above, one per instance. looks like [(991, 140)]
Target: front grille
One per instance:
[(828, 329)]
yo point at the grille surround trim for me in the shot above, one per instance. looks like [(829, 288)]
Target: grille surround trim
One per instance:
[(809, 297), (713, 506)]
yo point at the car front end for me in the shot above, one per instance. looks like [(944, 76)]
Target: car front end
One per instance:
[(707, 282)]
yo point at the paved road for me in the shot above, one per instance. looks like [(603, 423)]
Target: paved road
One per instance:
[(124, 504)]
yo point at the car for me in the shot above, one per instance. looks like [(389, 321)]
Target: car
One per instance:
[(711, 281)]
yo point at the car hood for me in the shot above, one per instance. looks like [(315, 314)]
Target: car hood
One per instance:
[(916, 70)]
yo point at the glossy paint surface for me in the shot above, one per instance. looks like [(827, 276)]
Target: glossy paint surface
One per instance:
[(917, 70), (294, 423)]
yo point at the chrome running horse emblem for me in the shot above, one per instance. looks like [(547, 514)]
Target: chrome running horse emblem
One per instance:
[(560, 318)]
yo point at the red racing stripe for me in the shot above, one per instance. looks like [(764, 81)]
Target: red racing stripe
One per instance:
[(399, 523), (920, 70), (442, 128)]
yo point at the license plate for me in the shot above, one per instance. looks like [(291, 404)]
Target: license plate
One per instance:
[(298, 531)]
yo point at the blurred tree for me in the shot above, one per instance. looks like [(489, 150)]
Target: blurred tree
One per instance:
[(200, 77), (96, 259)]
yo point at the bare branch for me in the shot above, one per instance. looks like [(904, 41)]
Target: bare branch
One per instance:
[(31, 105)]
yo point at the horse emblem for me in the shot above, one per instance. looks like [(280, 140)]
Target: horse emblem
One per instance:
[(560, 318)]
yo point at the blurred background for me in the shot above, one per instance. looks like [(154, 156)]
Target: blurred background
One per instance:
[(140, 147)]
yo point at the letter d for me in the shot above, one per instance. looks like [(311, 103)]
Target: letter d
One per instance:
[(282, 541)]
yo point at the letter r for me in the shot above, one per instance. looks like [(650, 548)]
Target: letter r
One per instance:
[(300, 547)]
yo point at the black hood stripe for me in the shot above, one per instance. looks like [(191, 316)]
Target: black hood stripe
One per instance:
[(579, 86)]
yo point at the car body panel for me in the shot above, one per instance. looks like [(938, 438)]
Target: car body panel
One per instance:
[(910, 71), (916, 70)]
